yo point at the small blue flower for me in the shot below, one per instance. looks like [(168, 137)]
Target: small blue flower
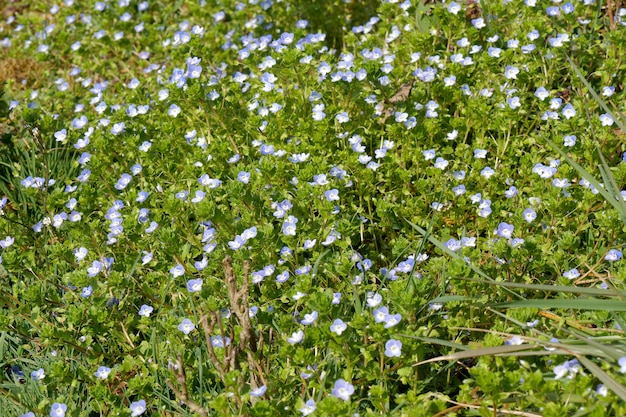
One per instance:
[(529, 215), (38, 375), (289, 226), (393, 348), (505, 230), (380, 314), (338, 326), (342, 390), (308, 408), (514, 341), (103, 372), (258, 392), (571, 274), (186, 326), (194, 285), (282, 277), (336, 298), (86, 292), (296, 337), (332, 195), (613, 255), (58, 410), (237, 243), (309, 318), (94, 269), (174, 110), (137, 408), (177, 271), (218, 341), (146, 258), (392, 319), (373, 299), (6, 242), (145, 310), (569, 368), (244, 177)]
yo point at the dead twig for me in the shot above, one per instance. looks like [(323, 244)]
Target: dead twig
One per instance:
[(182, 393)]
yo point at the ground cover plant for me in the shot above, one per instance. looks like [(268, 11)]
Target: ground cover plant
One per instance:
[(334, 208)]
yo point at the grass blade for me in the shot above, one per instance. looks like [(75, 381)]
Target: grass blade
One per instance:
[(474, 353), (575, 304)]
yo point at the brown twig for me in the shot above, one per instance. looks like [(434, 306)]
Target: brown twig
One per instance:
[(248, 339), (182, 394), (208, 330)]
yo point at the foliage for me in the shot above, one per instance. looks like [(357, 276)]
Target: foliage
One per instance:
[(223, 208)]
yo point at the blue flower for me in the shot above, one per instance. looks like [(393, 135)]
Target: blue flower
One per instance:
[(342, 117), (553, 11), (309, 243), (58, 410), (174, 110), (487, 172), (514, 341), (391, 320), (249, 233), (177, 271), (571, 274), (373, 299), (145, 310), (237, 243), (380, 314), (243, 176), (137, 408), (201, 264), (6, 242), (569, 368), (86, 292), (613, 255), (289, 226), (103, 372), (38, 375), (123, 182), (308, 408), (309, 318), (393, 348), (258, 391), (332, 195), (146, 258), (342, 390), (94, 269), (529, 215), (505, 230), (282, 277), (296, 337), (453, 244), (218, 341), (186, 326), (194, 285), (338, 326), (118, 128)]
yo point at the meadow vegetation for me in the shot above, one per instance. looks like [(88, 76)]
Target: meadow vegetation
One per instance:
[(325, 208)]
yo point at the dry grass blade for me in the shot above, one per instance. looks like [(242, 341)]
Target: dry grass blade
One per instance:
[(474, 353)]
